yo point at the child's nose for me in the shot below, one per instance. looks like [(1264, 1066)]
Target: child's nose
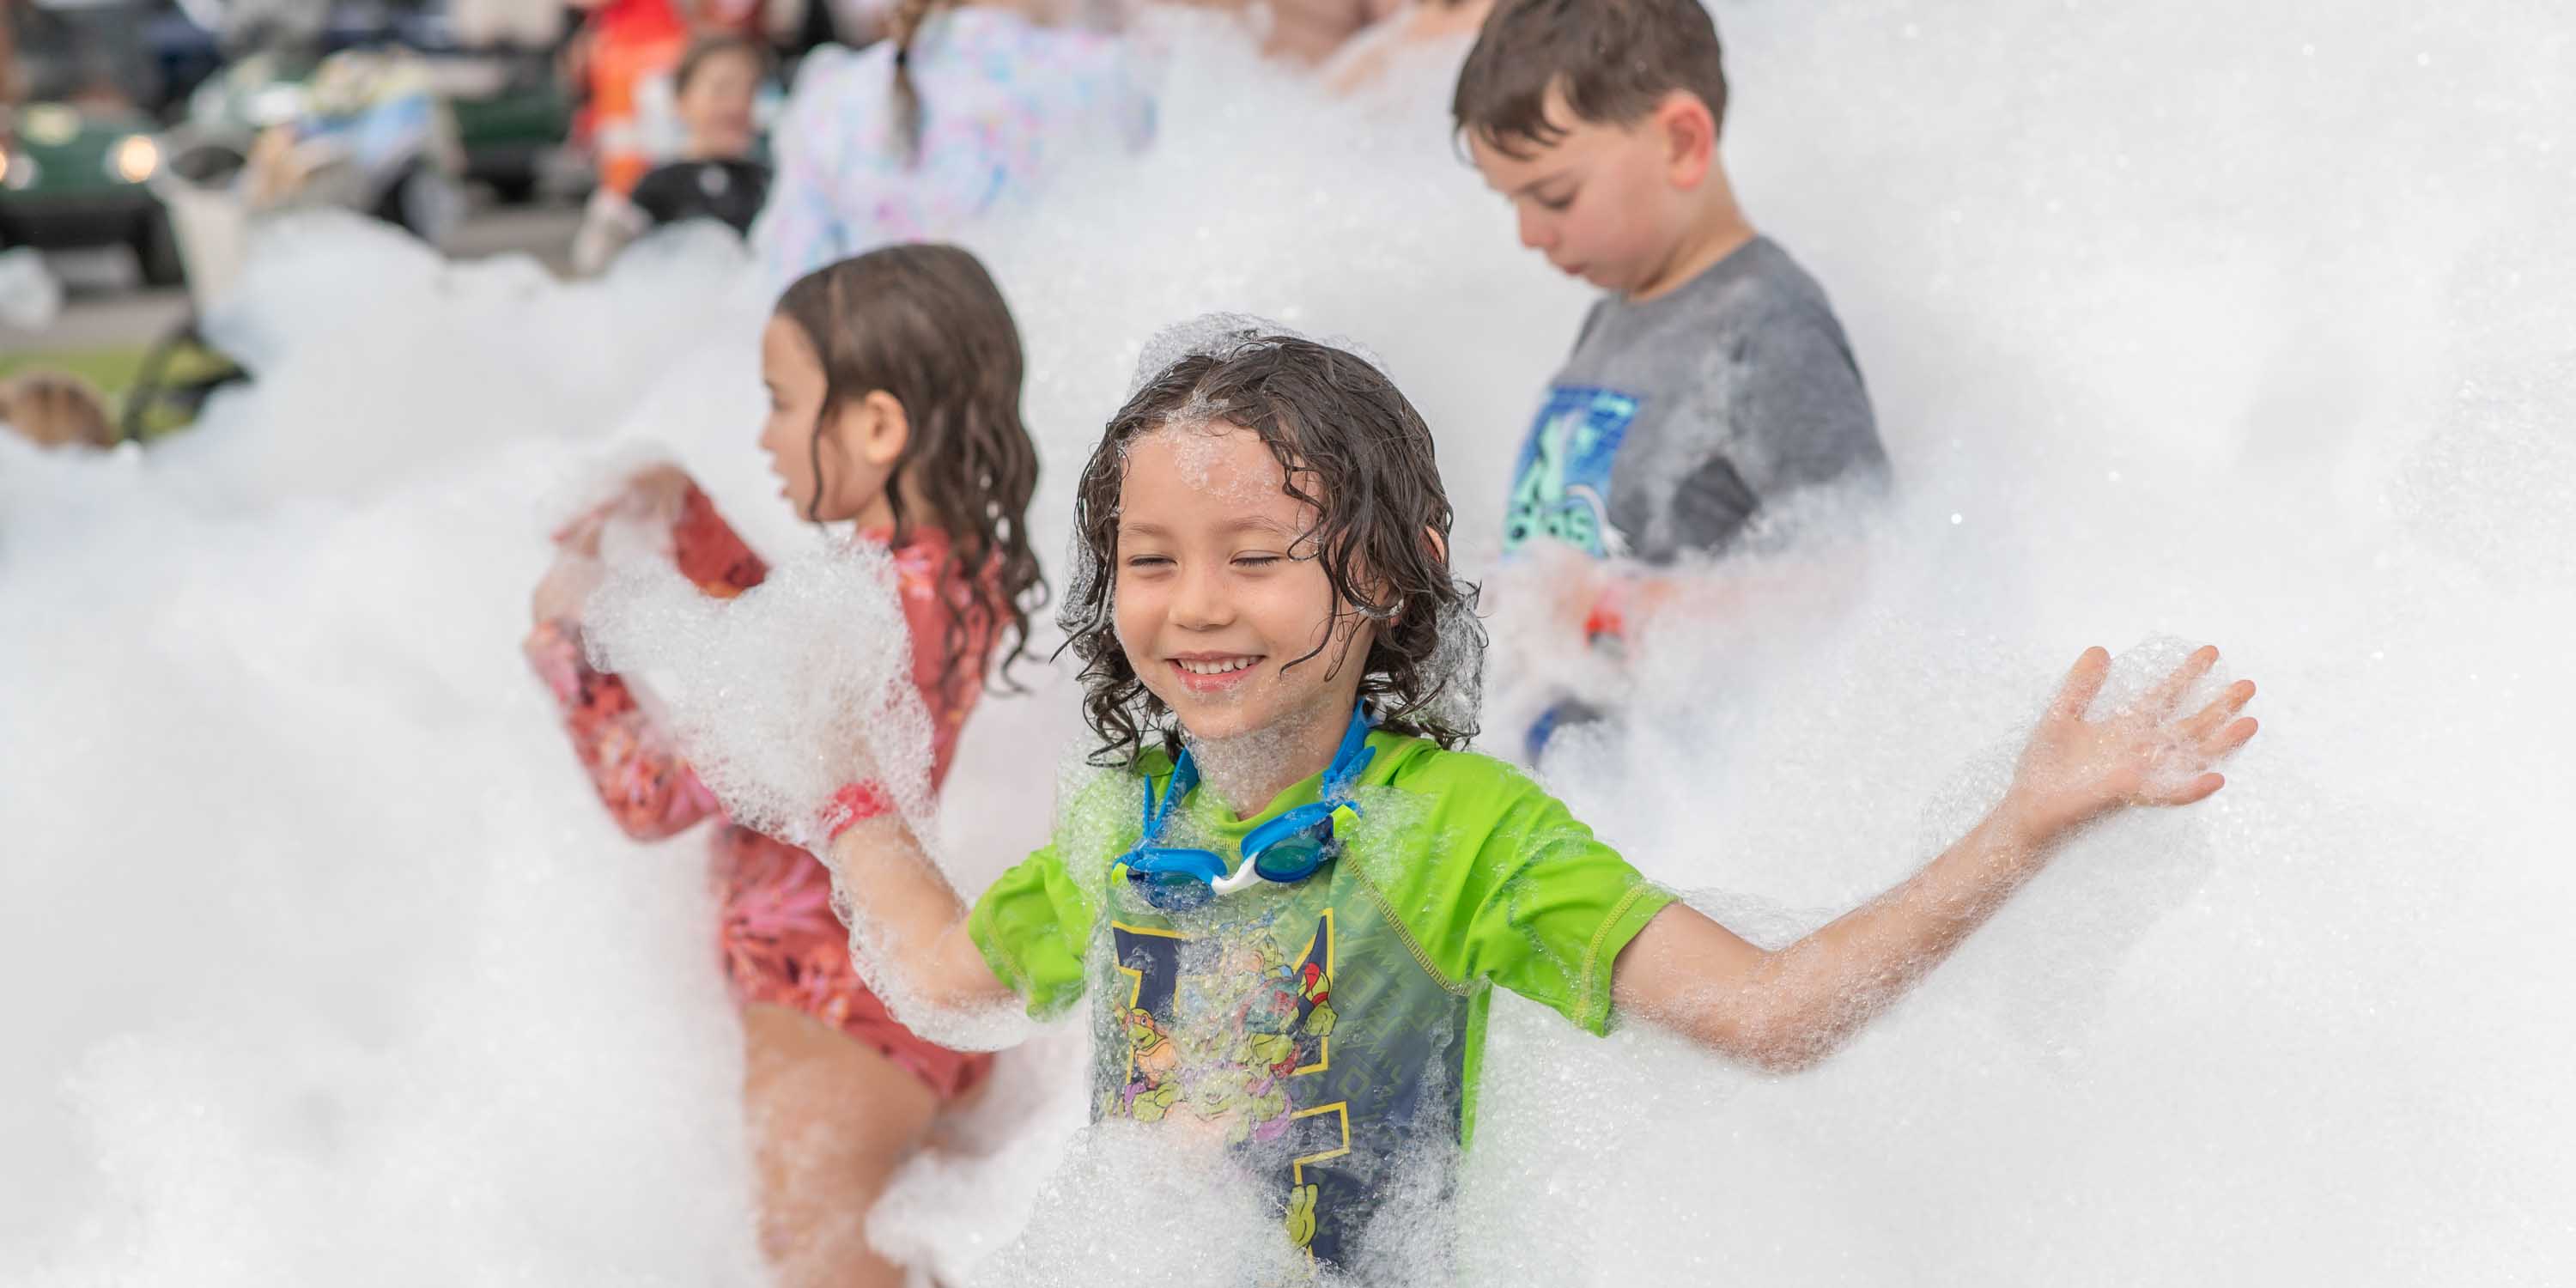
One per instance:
[(1537, 232), (1200, 602)]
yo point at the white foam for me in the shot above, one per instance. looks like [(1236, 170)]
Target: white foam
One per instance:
[(2246, 325), (782, 695)]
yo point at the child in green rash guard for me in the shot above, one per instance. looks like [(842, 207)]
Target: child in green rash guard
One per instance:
[(1290, 895)]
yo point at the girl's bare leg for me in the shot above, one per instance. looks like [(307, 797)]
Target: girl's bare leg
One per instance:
[(830, 1121)]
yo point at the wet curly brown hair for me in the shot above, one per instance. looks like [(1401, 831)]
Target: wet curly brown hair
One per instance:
[(1353, 448), (925, 323)]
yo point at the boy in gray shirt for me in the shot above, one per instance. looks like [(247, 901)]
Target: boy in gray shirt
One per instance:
[(1678, 416), (1714, 379)]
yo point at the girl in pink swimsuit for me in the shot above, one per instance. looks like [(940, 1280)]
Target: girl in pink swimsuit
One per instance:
[(894, 383)]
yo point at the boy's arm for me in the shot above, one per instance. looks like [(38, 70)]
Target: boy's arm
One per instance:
[(1785, 1010), (1788, 1008), (912, 922), (1796, 416), (1799, 397), (1618, 599), (1800, 394)]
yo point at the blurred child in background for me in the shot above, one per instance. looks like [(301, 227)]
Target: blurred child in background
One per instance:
[(719, 175), (967, 105)]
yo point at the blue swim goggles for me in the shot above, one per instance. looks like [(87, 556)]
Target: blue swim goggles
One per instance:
[(1289, 848)]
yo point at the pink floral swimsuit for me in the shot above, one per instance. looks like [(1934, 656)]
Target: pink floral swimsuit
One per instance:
[(780, 940)]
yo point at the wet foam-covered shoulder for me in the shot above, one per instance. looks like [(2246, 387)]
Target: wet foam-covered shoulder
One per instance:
[(1098, 813), (1494, 879), (1454, 825), (1418, 765), (1759, 288)]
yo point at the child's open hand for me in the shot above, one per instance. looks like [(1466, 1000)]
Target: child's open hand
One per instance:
[(2075, 770), (565, 588), (652, 497)]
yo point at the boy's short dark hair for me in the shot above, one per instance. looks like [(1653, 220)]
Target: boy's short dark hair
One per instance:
[(709, 48), (1352, 446), (1613, 60)]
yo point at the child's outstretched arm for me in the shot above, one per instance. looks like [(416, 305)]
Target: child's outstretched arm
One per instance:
[(633, 763), (915, 924), (1787, 1009)]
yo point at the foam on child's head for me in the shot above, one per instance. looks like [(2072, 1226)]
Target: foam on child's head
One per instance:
[(1223, 336), (1229, 335), (1221, 339)]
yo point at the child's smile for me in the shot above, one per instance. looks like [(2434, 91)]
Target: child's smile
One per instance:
[(1214, 672)]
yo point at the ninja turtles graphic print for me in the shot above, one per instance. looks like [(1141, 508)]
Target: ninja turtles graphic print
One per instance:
[(1297, 1032), (1219, 1038)]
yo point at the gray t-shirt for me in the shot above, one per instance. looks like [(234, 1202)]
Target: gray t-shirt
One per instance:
[(1676, 420)]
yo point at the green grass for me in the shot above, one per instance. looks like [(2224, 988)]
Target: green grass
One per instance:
[(113, 369), (110, 369)]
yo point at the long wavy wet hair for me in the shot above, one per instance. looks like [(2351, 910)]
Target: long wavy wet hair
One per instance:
[(925, 324), (1351, 447)]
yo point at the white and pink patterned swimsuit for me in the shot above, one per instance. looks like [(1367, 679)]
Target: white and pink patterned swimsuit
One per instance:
[(1004, 102)]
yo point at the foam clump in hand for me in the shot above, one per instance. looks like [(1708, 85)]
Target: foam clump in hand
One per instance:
[(783, 695)]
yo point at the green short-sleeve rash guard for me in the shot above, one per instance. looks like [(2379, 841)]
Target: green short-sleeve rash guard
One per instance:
[(1492, 878), (1333, 1025)]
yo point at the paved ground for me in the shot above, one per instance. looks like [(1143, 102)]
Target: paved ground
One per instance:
[(104, 303)]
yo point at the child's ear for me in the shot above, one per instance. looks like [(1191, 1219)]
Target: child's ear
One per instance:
[(1438, 547), (879, 429), (1689, 136)]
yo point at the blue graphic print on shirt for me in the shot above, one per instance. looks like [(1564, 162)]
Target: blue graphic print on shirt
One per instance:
[(1561, 484)]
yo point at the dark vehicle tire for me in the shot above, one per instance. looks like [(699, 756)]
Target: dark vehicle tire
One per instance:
[(157, 252), (515, 190)]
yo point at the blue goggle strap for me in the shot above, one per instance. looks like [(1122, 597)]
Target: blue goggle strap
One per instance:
[(1185, 778), (1156, 861), (1351, 759), (1153, 861), (1318, 816)]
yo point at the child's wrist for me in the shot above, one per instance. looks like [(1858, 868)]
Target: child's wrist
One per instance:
[(854, 804), (1607, 618), (2022, 826)]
